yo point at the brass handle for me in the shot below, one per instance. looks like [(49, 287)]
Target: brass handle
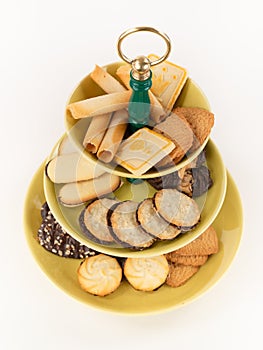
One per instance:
[(144, 29)]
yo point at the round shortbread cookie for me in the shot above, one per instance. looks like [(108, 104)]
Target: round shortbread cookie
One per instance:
[(100, 274), (146, 274)]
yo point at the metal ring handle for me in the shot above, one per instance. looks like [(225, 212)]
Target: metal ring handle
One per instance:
[(144, 29)]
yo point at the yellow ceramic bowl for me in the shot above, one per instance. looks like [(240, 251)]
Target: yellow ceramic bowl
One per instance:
[(209, 204), (191, 96), (125, 300)]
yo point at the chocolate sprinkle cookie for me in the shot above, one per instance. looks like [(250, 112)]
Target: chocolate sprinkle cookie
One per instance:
[(56, 240)]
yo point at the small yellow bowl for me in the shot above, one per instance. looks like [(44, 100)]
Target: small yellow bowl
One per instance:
[(125, 300), (209, 204), (191, 96)]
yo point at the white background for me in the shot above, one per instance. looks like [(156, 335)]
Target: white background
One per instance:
[(47, 47)]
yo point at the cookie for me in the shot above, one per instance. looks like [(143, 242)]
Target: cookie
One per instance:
[(153, 223), (193, 260), (168, 80), (179, 274), (201, 180), (125, 228), (206, 244), (100, 275), (76, 193), (177, 208), (56, 240), (192, 181), (142, 150), (176, 128), (146, 274), (93, 220), (200, 120), (71, 167)]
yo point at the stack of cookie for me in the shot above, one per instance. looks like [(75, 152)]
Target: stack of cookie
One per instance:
[(134, 208)]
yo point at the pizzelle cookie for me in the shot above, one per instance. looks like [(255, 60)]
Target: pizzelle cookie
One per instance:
[(100, 274), (200, 120)]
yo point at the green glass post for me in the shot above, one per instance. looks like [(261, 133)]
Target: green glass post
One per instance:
[(139, 106), (140, 82)]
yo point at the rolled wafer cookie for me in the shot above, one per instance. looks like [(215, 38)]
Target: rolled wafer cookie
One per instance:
[(113, 136), (106, 81), (96, 131), (99, 105)]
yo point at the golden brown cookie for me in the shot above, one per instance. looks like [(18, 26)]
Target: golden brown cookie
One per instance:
[(193, 260), (200, 120), (179, 274), (176, 128), (100, 274), (146, 274), (206, 244)]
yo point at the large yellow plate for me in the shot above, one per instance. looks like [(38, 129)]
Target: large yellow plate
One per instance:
[(209, 203), (191, 96), (125, 300)]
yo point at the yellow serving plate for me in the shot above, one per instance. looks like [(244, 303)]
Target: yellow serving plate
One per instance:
[(191, 96), (125, 300), (209, 204)]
